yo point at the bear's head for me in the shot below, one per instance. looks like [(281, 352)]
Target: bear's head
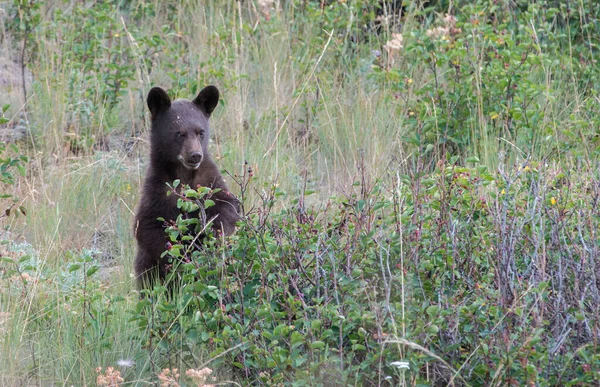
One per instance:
[(180, 128)]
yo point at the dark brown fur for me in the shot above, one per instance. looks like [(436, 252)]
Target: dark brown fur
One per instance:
[(179, 150)]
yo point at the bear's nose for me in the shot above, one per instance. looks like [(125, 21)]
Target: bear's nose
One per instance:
[(195, 158)]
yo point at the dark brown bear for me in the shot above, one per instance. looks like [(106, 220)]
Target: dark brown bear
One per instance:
[(179, 150)]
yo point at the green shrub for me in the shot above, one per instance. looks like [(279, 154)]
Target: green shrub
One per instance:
[(434, 280)]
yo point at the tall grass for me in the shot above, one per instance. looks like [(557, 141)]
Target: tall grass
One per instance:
[(311, 100)]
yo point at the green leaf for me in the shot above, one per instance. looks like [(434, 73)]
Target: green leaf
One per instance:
[(192, 335), (428, 182), (238, 364), (297, 339), (267, 335), (24, 258), (315, 325), (7, 260), (191, 193), (432, 310), (317, 345), (379, 205), (22, 170), (92, 270), (360, 204), (280, 329)]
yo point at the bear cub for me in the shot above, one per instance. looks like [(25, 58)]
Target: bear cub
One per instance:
[(178, 150)]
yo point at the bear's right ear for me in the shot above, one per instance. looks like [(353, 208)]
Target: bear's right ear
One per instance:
[(158, 101), (207, 99)]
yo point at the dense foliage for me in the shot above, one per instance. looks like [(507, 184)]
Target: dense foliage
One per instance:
[(421, 201), (347, 292)]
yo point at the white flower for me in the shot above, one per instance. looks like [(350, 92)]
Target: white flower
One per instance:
[(125, 363), (266, 4), (449, 20), (395, 44), (400, 365), (438, 32)]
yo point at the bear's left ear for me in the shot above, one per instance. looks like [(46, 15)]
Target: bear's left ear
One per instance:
[(207, 99)]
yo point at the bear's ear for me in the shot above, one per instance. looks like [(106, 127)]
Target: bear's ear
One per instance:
[(207, 99), (158, 101)]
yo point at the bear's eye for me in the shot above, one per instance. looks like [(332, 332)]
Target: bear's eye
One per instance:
[(180, 134), (200, 133)]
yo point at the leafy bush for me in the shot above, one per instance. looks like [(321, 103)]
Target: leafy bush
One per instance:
[(488, 73), (459, 275)]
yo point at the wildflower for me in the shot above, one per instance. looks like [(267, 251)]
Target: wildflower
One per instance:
[(265, 7), (27, 277), (169, 377), (200, 376), (383, 20), (447, 29), (438, 33), (553, 201), (266, 4), (449, 20), (392, 47), (503, 192), (110, 378), (395, 44)]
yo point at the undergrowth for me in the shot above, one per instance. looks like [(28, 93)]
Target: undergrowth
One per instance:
[(420, 202), (458, 277)]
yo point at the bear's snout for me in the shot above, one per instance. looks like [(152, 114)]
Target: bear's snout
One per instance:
[(194, 158), (191, 160)]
